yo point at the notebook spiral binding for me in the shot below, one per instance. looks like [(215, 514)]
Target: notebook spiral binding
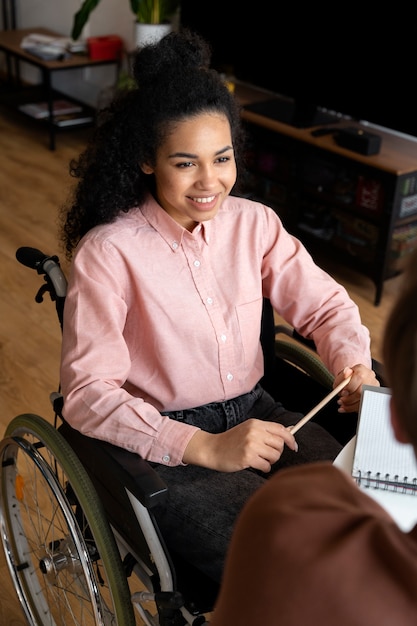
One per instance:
[(387, 482)]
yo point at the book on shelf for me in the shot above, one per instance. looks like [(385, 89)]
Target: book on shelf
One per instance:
[(40, 110), (73, 119), (383, 467)]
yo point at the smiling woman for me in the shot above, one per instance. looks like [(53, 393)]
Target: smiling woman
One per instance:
[(161, 345), (27, 217)]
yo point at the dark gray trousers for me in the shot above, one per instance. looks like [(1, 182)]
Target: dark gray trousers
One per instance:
[(198, 518)]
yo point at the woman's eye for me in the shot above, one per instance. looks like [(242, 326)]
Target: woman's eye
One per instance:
[(183, 165), (223, 159)]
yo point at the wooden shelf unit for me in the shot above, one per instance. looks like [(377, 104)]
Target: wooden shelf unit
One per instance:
[(361, 210), (14, 92)]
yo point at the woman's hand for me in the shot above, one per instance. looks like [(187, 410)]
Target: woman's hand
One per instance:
[(350, 396), (254, 443)]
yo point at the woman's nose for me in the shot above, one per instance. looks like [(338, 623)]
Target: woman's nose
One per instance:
[(207, 176)]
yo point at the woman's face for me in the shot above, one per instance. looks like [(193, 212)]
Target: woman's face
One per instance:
[(195, 169)]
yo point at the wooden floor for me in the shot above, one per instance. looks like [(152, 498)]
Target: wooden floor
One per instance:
[(33, 184)]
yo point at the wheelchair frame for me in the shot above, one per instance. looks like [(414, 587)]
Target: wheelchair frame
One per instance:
[(76, 515)]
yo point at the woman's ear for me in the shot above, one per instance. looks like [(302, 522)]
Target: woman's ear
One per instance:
[(399, 431), (146, 169)]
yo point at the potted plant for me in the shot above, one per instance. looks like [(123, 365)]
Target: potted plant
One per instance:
[(147, 12)]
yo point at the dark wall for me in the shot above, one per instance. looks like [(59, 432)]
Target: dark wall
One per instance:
[(346, 58)]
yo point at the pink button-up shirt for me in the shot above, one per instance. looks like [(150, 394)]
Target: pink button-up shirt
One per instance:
[(158, 319)]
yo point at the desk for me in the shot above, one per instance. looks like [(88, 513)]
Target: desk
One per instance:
[(361, 210), (15, 92)]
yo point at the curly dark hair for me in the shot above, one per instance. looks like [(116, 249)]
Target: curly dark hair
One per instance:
[(174, 82)]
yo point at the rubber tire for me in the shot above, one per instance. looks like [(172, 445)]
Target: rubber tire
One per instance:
[(31, 429)]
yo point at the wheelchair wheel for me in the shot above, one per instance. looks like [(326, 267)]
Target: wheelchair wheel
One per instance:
[(305, 361), (59, 547)]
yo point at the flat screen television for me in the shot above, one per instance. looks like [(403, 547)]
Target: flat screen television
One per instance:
[(346, 59)]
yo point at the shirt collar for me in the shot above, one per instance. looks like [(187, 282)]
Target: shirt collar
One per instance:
[(172, 232)]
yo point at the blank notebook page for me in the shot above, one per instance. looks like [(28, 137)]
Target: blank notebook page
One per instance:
[(377, 450)]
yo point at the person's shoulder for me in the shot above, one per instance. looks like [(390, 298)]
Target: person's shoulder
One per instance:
[(238, 203), (125, 223), (247, 209), (109, 243)]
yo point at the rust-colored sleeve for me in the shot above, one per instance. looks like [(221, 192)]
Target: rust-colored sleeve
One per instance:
[(311, 548)]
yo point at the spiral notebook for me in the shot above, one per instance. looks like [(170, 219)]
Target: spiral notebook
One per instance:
[(382, 466)]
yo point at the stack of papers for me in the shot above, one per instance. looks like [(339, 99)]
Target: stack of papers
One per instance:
[(50, 48)]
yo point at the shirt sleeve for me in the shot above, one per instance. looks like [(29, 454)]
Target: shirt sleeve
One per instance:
[(315, 304), (96, 361)]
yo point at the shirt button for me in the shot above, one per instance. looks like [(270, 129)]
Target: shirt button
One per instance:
[(166, 458), (229, 377), (174, 245), (197, 263), (223, 337), (209, 300)]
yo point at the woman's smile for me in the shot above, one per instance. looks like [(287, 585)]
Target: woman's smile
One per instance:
[(204, 203)]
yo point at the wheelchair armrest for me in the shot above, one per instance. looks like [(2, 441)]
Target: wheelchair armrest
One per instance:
[(111, 465), (306, 362), (148, 487), (378, 368), (302, 353)]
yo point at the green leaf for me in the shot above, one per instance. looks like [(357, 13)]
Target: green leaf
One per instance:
[(134, 5), (81, 17), (155, 11)]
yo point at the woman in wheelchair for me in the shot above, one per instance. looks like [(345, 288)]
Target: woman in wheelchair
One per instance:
[(161, 352)]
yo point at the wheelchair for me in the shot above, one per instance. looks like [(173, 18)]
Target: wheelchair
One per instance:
[(76, 514)]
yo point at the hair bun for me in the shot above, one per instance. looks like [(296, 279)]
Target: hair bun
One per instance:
[(174, 53)]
